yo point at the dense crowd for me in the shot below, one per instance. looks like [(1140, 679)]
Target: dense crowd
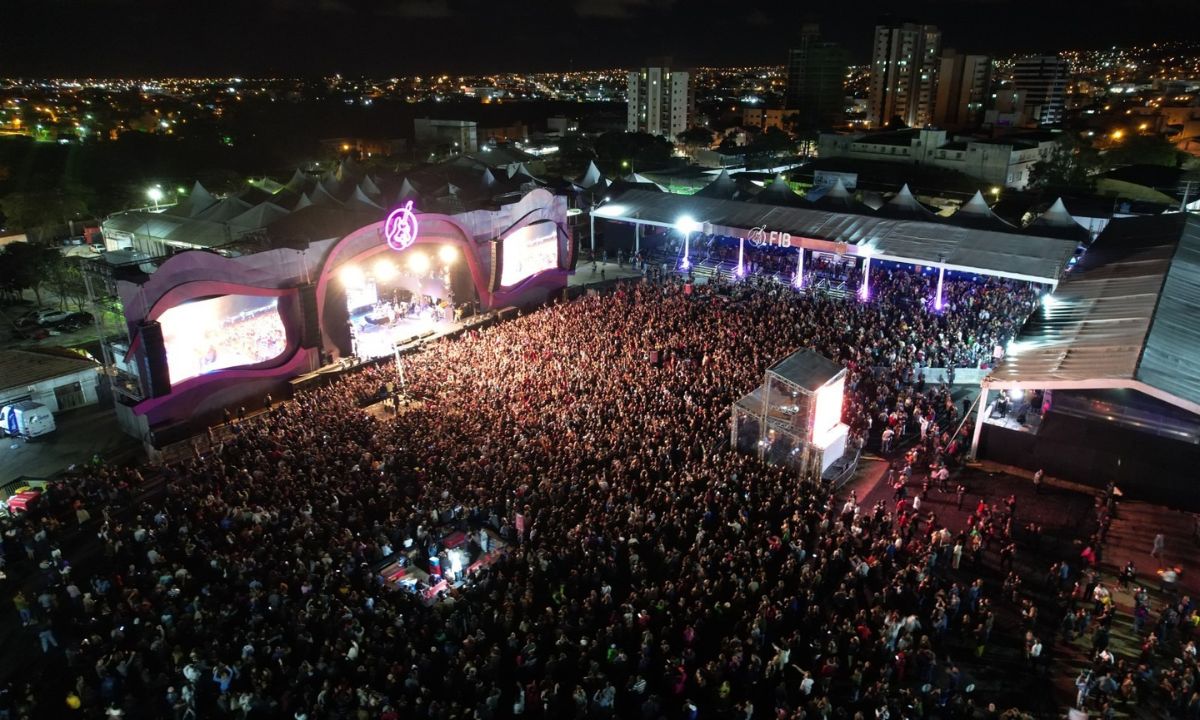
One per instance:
[(650, 573)]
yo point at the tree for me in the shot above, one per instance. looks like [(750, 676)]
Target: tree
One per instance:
[(772, 141), (641, 150), (27, 266), (1143, 150), (696, 137), (66, 277), (1070, 164)]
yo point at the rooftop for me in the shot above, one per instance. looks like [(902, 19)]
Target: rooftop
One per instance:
[(19, 368)]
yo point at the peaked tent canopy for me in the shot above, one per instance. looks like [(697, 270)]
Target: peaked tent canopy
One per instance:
[(591, 176), (1056, 221), (778, 192), (722, 188), (977, 215), (905, 206)]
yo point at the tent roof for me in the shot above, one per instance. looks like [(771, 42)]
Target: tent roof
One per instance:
[(369, 187), (591, 176), (1056, 221), (258, 216), (976, 214), (1124, 318), (722, 186), (780, 193), (221, 212), (906, 206), (1011, 255)]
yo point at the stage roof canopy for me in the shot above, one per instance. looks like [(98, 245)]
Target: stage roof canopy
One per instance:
[(1000, 254), (1126, 318)]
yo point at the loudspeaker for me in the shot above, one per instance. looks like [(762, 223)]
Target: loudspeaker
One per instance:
[(310, 321), (153, 360)]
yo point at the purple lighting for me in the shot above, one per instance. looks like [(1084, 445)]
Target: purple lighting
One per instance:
[(400, 228)]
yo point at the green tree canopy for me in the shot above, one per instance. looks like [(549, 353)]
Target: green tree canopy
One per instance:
[(27, 266), (1143, 150), (642, 150), (696, 136), (1071, 163)]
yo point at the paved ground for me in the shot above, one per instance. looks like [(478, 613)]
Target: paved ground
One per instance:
[(584, 275), (81, 433)]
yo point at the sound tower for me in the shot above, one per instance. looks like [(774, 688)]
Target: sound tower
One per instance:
[(310, 321), (153, 360)]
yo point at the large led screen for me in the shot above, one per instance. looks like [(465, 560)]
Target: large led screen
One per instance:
[(528, 251), (204, 336)]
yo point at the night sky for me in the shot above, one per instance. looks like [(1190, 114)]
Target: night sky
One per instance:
[(381, 38)]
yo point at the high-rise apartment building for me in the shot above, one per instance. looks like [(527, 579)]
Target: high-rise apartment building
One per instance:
[(1042, 84), (661, 100), (816, 81), (963, 84), (904, 66)]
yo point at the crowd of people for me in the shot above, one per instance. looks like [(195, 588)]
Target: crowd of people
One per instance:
[(651, 573)]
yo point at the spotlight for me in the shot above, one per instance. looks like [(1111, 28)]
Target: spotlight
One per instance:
[(385, 270), (352, 276), (418, 263), (448, 254)]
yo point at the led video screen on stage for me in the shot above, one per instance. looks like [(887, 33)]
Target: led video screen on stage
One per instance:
[(528, 251), (218, 333)]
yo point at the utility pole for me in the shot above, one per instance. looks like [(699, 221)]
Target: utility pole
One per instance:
[(1187, 191)]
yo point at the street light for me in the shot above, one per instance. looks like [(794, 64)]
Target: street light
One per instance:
[(687, 225), (155, 194)]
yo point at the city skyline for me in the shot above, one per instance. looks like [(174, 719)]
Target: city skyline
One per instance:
[(121, 38)]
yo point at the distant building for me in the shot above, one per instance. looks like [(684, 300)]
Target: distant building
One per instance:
[(904, 66), (1005, 161), (816, 81), (963, 85), (461, 134), (1041, 85), (764, 117), (517, 132), (58, 379), (561, 125), (661, 99)]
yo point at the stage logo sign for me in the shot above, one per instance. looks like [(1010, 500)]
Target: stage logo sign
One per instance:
[(400, 229)]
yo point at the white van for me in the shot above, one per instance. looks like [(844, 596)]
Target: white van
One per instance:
[(26, 419)]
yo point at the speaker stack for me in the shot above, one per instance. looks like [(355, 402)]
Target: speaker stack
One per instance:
[(153, 360), (310, 333)]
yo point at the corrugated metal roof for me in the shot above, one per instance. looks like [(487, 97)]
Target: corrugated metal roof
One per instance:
[(1127, 314), (1002, 254)]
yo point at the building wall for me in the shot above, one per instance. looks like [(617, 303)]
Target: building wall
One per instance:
[(1043, 83), (660, 101), (963, 83), (993, 163), (904, 66), (446, 132), (44, 392), (816, 81)]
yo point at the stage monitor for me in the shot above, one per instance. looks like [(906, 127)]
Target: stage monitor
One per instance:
[(528, 251), (218, 333)]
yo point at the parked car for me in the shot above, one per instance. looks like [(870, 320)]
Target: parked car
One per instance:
[(51, 317), (75, 321), (29, 319)]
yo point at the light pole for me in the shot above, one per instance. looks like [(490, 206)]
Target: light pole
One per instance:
[(687, 225), (155, 194)]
